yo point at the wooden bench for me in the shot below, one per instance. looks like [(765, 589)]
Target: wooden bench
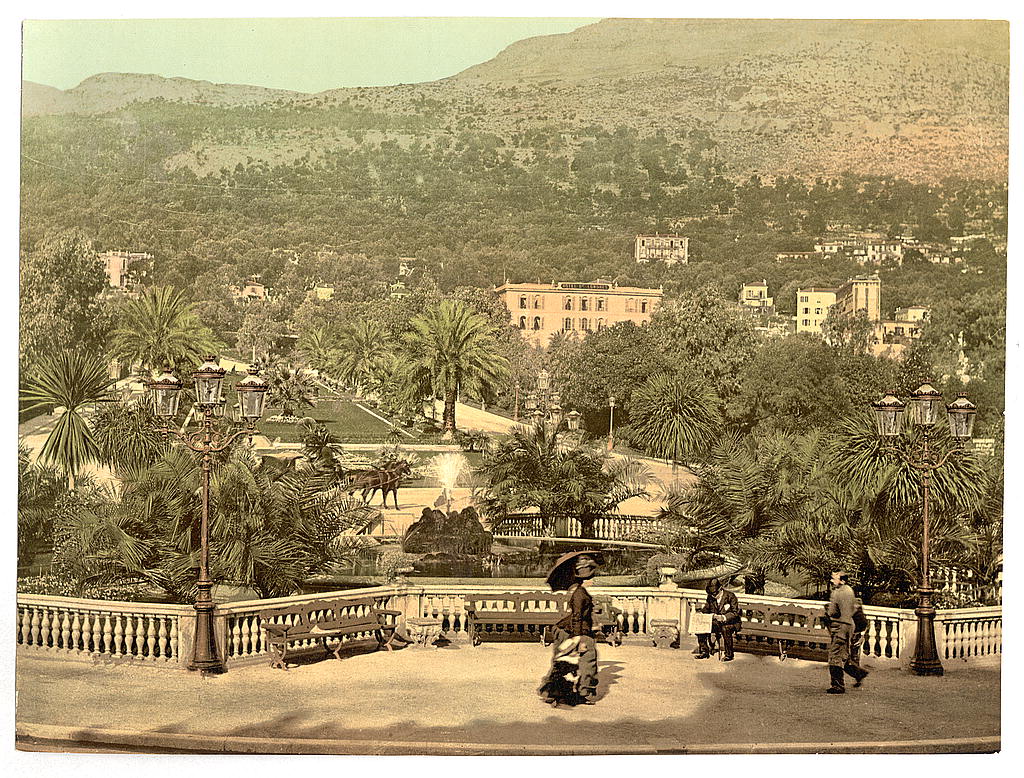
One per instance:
[(532, 614), (791, 630), (298, 627)]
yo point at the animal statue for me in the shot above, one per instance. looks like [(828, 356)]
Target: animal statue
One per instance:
[(387, 479)]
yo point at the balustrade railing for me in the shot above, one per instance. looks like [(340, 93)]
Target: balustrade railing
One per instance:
[(611, 527), (159, 634), (92, 629)]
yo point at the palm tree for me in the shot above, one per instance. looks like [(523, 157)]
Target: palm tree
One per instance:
[(360, 353), (531, 468), (290, 387), (455, 348), (318, 346), (674, 418), (127, 435), (71, 380), (161, 328)]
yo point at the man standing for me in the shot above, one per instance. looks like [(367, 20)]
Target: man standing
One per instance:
[(841, 607), (725, 619)]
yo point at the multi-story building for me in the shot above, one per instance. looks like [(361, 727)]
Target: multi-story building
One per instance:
[(754, 298), (812, 306), (669, 249), (862, 293), (541, 310), (116, 266)]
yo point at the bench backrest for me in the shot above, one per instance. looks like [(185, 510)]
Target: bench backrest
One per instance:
[(309, 613), (528, 602), (783, 615)]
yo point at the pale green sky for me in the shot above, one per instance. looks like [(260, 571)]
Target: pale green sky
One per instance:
[(306, 55)]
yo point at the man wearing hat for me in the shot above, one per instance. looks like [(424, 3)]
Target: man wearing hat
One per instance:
[(840, 617), (569, 573)]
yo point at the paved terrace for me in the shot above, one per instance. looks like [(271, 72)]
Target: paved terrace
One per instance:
[(458, 699)]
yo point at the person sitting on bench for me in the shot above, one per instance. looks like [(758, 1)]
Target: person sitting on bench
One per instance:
[(725, 619)]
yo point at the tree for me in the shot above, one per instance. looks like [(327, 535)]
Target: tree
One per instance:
[(161, 328), (262, 326), (852, 334), (60, 306), (72, 380), (674, 417), (455, 349), (318, 346), (361, 353), (290, 387), (708, 334), (127, 435), (39, 487), (531, 468)]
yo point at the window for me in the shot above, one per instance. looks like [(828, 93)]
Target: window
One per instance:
[(568, 303), (818, 311), (803, 298), (585, 325), (600, 304), (522, 322), (643, 306), (630, 305), (807, 322), (807, 310), (600, 324), (536, 322), (536, 302), (584, 303), (568, 325), (522, 302)]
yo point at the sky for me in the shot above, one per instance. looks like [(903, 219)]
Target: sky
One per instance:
[(304, 55)]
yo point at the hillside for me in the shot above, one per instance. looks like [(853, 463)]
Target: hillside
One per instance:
[(110, 91), (919, 100)]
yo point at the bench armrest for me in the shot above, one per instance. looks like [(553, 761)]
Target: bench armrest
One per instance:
[(276, 630)]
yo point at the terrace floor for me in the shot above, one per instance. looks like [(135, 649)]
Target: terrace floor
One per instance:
[(458, 699)]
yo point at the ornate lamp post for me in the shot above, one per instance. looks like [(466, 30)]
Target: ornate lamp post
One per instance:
[(544, 404), (208, 441), (611, 422), (925, 405)]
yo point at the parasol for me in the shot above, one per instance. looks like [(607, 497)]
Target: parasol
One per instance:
[(563, 572)]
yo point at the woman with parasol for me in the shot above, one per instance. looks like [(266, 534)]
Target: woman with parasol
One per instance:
[(573, 638)]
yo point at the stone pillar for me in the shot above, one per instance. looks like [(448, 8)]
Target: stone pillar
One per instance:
[(908, 638), (186, 637)]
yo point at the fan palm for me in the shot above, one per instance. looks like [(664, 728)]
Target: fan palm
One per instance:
[(674, 418), (455, 348), (319, 348), (532, 469), (290, 387), (72, 380), (161, 328)]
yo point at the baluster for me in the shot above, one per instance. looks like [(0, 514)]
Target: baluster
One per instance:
[(162, 639), (76, 633), (118, 634), (174, 637), (108, 634), (129, 633), (65, 631), (26, 625), (236, 638), (149, 638), (35, 626), (45, 634), (87, 632)]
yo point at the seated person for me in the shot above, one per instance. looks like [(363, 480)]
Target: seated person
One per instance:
[(725, 619)]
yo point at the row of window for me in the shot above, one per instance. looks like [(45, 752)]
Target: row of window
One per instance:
[(816, 311), (585, 304), (568, 325)]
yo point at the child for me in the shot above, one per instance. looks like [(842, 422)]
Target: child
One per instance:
[(561, 685)]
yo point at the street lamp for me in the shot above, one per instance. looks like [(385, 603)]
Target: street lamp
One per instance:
[(925, 406), (611, 422), (207, 441), (543, 405)]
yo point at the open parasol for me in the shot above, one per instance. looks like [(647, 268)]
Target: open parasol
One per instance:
[(563, 572)]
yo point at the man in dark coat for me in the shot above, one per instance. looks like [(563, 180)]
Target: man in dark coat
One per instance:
[(842, 606), (725, 619)]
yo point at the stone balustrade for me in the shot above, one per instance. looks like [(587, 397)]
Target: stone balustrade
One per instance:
[(95, 630)]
